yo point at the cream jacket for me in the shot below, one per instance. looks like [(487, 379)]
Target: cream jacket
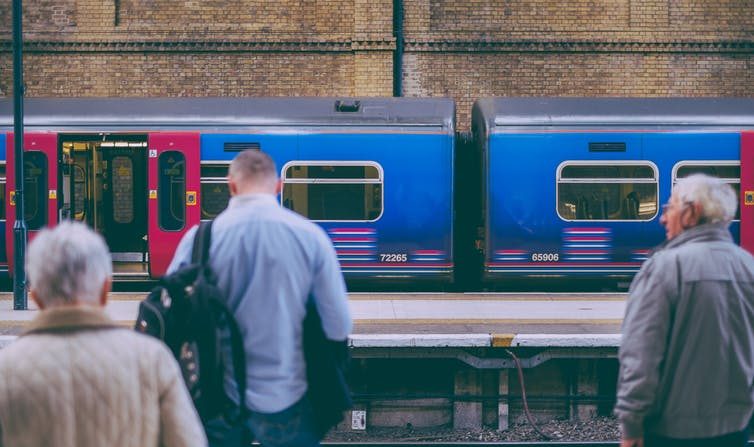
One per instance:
[(76, 379)]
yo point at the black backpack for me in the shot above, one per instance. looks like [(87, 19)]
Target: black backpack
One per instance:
[(187, 312)]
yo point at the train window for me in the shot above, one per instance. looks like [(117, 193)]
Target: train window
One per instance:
[(215, 194), (35, 189), (592, 191), (172, 191), (328, 191), (123, 189), (728, 171), (606, 172)]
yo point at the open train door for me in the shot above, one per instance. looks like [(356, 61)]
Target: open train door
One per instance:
[(40, 186), (747, 191), (173, 189)]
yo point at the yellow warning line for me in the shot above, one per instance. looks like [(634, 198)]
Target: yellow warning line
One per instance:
[(117, 296), (528, 321), (484, 297)]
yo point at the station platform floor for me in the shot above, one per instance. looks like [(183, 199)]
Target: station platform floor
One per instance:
[(393, 320)]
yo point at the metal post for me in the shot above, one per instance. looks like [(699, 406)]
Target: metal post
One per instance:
[(398, 54), (19, 228)]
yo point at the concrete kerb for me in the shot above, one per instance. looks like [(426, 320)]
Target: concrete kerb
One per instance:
[(466, 340)]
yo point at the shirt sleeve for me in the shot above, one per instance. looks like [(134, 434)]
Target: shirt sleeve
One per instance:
[(643, 345), (180, 425), (329, 293), (183, 252)]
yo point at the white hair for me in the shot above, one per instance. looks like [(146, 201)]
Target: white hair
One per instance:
[(717, 199), (68, 264)]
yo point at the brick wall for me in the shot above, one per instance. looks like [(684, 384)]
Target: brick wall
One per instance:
[(464, 50)]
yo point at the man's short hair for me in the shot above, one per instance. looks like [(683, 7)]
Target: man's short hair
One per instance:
[(717, 199), (253, 167), (67, 264)]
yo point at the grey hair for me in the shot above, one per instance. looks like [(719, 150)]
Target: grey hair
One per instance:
[(252, 167), (717, 199), (68, 264)]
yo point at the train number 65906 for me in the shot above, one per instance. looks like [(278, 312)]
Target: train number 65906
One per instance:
[(544, 257)]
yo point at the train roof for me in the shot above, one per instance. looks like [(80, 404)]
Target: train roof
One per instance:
[(183, 113), (615, 112)]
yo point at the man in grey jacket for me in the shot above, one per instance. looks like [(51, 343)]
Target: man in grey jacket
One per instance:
[(687, 354)]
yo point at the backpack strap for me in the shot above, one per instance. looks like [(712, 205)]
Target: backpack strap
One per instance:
[(202, 240)]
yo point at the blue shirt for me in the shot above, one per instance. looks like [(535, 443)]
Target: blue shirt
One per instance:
[(268, 261)]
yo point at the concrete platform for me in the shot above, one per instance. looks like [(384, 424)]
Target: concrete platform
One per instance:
[(439, 320)]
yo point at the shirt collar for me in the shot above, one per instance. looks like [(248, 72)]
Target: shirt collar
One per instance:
[(67, 318), (252, 198)]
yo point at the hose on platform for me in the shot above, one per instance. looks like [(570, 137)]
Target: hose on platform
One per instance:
[(523, 396)]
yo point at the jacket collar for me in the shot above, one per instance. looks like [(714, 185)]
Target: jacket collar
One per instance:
[(253, 198), (701, 233), (69, 318)]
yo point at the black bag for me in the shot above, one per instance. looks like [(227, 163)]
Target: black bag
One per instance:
[(187, 312), (326, 364)]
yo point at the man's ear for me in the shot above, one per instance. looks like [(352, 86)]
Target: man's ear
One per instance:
[(278, 186), (232, 187), (692, 215), (106, 287)]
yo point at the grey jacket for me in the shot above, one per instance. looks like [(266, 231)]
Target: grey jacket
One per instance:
[(687, 354)]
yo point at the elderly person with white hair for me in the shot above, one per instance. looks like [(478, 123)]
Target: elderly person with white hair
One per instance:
[(687, 352), (75, 378)]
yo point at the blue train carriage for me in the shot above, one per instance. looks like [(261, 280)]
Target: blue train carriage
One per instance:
[(574, 186), (375, 173)]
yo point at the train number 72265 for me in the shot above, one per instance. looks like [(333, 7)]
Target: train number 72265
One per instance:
[(393, 257)]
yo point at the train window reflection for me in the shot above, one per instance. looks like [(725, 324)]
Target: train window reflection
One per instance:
[(171, 194), (727, 171), (607, 191), (35, 189), (214, 189), (329, 191)]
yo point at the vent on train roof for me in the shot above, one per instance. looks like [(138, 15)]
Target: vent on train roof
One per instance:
[(241, 146), (347, 106), (607, 147)]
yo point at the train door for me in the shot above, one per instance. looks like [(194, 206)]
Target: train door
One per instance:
[(173, 182), (747, 191), (40, 185), (124, 199), (103, 184)]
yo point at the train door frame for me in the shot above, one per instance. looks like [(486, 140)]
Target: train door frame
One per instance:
[(92, 155), (166, 200), (45, 143), (746, 205)]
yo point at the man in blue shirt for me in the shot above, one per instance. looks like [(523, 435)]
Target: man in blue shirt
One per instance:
[(269, 261)]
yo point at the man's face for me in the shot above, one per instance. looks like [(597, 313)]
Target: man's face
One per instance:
[(676, 217)]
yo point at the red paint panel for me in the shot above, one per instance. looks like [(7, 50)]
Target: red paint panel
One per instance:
[(747, 191), (47, 143), (162, 243)]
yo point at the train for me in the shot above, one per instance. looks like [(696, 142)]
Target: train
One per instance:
[(538, 188)]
